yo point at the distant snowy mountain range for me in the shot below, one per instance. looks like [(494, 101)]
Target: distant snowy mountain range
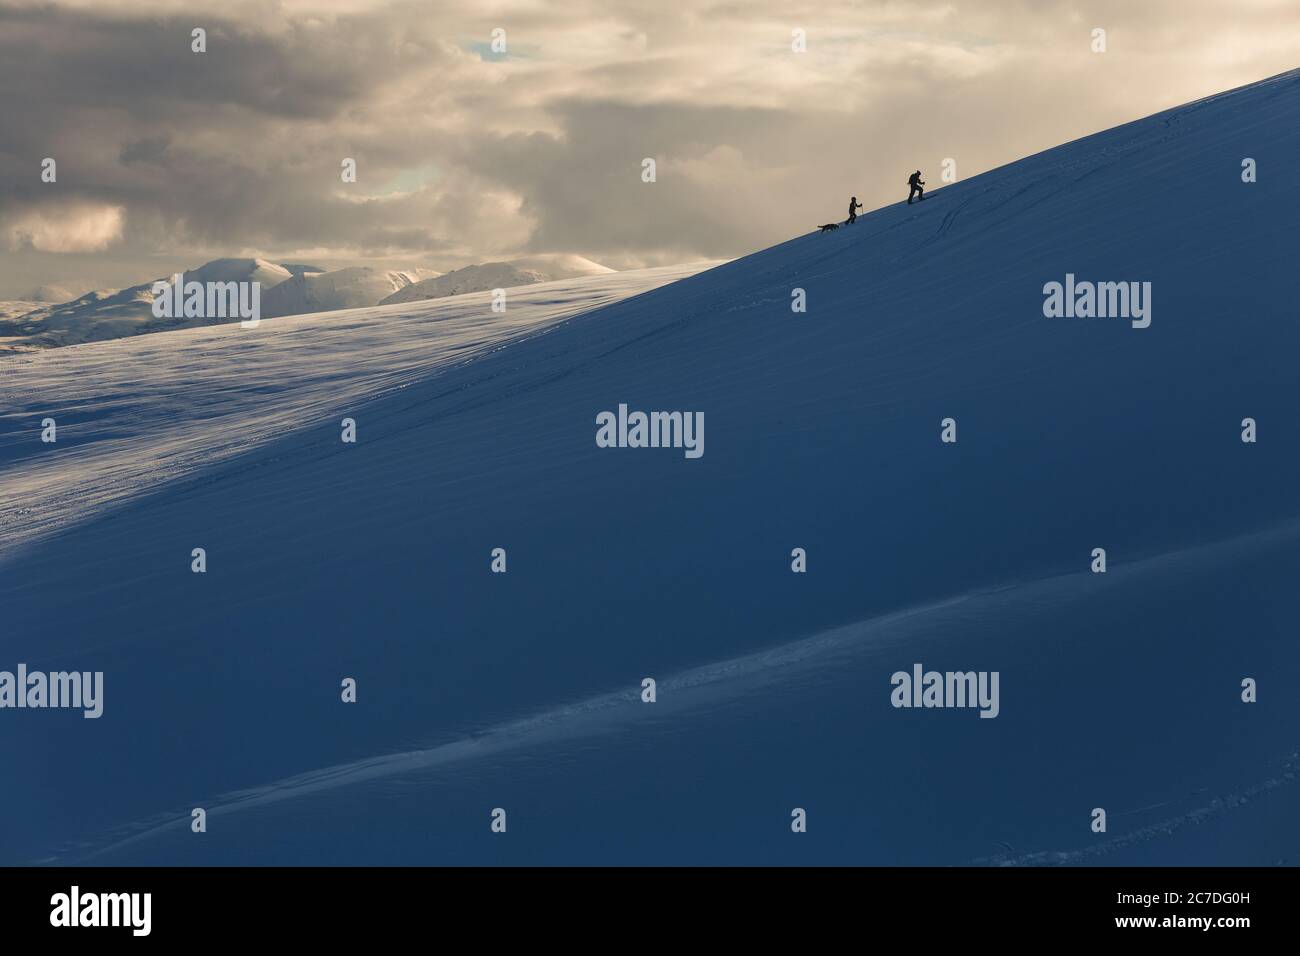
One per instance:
[(52, 316)]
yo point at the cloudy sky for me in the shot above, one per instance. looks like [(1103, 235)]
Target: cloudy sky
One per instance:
[(167, 158)]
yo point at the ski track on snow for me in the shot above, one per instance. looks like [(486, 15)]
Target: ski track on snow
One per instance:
[(710, 687)]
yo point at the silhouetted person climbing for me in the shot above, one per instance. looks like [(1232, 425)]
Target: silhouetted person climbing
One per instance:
[(915, 182), (854, 206)]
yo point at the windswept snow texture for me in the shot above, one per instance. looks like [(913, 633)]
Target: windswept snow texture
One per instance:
[(522, 690), (133, 415)]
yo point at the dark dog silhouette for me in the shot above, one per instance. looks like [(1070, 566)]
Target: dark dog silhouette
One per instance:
[(829, 227)]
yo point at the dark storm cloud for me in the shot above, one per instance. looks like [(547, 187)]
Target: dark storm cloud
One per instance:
[(145, 150), (78, 60), (586, 181), (239, 145)]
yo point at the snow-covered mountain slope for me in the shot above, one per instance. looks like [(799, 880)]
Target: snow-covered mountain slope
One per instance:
[(116, 313), (560, 265), (328, 560), (11, 308), (350, 288), (498, 275), (133, 414), (50, 293), (302, 268), (489, 275)]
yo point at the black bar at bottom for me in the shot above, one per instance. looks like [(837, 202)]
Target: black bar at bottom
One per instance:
[(365, 905)]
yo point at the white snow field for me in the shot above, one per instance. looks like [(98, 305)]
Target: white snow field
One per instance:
[(137, 413), (476, 431)]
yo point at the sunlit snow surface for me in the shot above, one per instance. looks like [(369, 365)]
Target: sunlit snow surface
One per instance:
[(136, 413), (521, 691)]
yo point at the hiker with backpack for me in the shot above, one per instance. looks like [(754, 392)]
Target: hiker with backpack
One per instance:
[(915, 182)]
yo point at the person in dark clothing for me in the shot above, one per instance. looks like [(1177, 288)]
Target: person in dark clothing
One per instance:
[(854, 206), (915, 182)]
